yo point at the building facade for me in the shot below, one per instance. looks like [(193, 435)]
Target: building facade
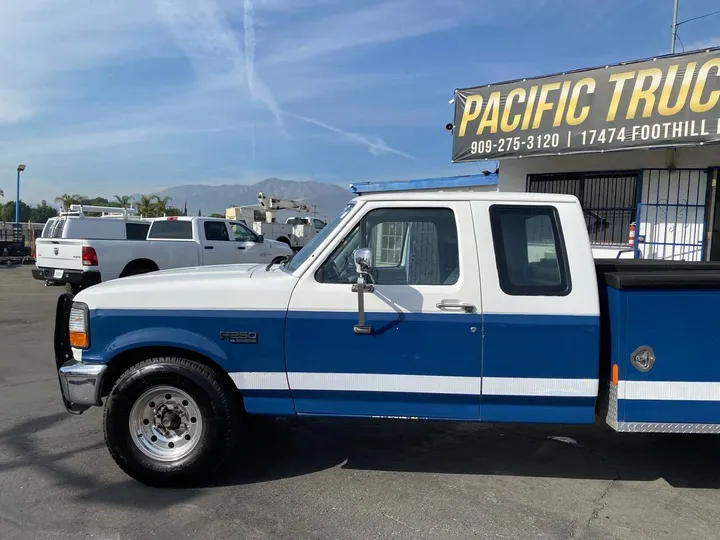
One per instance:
[(638, 143), (668, 194)]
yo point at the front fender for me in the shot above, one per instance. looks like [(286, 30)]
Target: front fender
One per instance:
[(159, 336)]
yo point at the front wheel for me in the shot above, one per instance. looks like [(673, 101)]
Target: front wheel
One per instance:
[(171, 421)]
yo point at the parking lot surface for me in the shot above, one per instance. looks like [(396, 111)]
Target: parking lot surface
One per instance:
[(336, 479)]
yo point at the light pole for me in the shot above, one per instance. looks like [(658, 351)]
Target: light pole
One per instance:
[(20, 169)]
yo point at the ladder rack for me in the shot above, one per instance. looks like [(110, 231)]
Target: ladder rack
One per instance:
[(106, 211), (470, 182)]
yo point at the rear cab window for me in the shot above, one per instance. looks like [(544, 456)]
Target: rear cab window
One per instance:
[(56, 229), (530, 250), (171, 230), (48, 227)]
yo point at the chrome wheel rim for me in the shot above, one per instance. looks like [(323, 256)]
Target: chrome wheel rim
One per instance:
[(166, 423)]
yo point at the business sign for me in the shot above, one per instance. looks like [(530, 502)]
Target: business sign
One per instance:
[(667, 101)]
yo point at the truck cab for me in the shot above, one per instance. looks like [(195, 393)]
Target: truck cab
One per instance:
[(448, 304)]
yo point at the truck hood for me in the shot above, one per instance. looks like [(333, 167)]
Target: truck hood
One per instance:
[(238, 270), (218, 287)]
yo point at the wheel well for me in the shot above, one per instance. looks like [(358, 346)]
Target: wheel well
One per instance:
[(125, 360), (139, 263), (284, 239)]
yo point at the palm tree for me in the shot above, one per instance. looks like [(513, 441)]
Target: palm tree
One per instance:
[(146, 205), (161, 204), (66, 200), (124, 200)]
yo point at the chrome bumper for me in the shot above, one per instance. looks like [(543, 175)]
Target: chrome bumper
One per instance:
[(81, 385)]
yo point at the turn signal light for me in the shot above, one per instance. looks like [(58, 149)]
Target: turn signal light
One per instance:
[(79, 340), (615, 375)]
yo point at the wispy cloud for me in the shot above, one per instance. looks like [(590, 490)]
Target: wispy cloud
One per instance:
[(14, 106), (201, 30), (258, 89), (373, 24), (376, 146), (708, 43)]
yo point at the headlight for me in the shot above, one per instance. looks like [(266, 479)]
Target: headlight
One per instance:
[(79, 331)]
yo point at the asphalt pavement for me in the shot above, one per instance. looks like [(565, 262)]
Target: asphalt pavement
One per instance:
[(340, 479)]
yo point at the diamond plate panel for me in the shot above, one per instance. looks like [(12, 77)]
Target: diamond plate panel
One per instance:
[(648, 427), (612, 407)]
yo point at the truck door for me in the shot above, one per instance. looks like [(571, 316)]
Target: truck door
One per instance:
[(541, 321), (422, 355), (217, 247), (248, 246)]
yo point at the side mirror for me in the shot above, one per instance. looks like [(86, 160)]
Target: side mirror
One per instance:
[(363, 260), (363, 265), (260, 239)]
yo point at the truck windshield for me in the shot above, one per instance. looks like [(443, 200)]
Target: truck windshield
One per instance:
[(318, 239)]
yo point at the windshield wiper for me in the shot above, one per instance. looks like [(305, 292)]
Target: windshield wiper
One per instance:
[(284, 259)]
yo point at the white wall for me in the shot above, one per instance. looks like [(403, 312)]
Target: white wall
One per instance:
[(513, 172), (658, 221)]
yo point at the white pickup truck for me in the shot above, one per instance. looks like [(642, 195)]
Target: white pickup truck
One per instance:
[(444, 304), (171, 242)]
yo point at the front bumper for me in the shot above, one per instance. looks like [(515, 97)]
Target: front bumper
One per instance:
[(61, 277), (81, 385)]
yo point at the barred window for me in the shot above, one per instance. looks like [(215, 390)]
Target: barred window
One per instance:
[(608, 200)]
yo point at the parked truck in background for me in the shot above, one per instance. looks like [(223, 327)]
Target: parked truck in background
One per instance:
[(448, 304), (296, 232), (168, 242)]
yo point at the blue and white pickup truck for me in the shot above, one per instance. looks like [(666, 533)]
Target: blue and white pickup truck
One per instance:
[(448, 303)]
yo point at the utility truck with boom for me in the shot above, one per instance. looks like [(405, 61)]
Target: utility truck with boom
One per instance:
[(263, 219), (442, 301)]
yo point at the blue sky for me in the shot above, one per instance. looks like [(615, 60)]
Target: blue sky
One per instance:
[(122, 96)]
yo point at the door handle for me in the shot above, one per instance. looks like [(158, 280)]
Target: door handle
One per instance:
[(444, 304), (209, 247), (241, 247)]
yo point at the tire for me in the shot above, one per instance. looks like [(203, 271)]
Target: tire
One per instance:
[(73, 288), (210, 414)]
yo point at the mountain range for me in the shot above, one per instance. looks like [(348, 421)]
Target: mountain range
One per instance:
[(329, 199)]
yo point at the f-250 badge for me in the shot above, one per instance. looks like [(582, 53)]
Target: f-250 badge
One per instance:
[(239, 337)]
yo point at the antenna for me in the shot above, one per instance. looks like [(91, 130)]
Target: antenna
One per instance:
[(674, 26)]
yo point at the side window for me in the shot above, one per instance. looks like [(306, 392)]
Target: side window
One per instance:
[(529, 251), (216, 231), (411, 246), (318, 223), (242, 233), (171, 230), (136, 231)]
